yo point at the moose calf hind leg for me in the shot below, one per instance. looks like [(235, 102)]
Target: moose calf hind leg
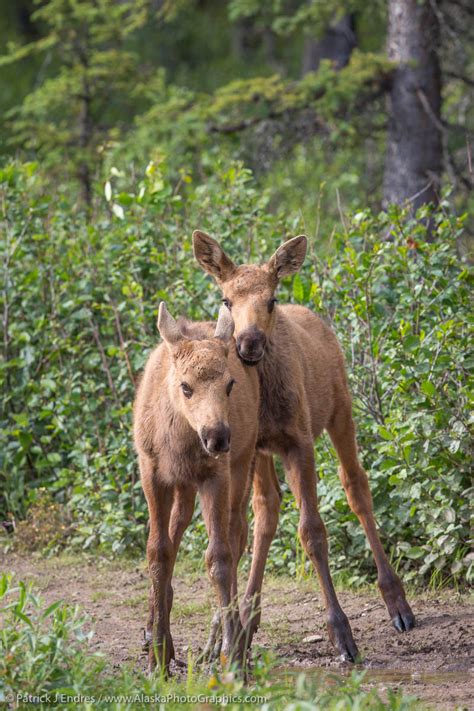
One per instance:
[(358, 494), (356, 486), (266, 501)]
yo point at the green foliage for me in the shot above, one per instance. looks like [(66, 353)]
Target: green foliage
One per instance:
[(45, 654), (80, 301), (66, 118), (328, 91), (402, 309), (42, 649), (301, 138), (81, 305), (312, 17), (85, 85)]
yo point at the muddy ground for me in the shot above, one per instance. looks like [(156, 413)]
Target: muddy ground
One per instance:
[(434, 662)]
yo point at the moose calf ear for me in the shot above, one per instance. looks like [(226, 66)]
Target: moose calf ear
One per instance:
[(167, 326), (289, 257), (212, 257), (225, 325)]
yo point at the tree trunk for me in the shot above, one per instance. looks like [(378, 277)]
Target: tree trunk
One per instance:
[(238, 31), (337, 44), (85, 136), (269, 47), (414, 147)]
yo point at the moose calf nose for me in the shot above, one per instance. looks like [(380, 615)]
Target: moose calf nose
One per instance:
[(251, 344), (216, 439)]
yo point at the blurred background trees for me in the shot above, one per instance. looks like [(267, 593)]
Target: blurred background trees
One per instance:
[(330, 104)]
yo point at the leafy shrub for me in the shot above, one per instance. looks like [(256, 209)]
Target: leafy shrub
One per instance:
[(42, 649), (401, 308), (81, 297)]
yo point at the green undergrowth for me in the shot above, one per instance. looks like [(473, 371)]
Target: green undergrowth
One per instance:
[(81, 294)]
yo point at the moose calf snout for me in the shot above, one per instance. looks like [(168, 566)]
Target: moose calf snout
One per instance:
[(251, 344), (216, 439)]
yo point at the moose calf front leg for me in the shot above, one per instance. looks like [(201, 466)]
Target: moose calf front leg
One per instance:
[(220, 564), (160, 558), (238, 540), (299, 466), (160, 566), (181, 516)]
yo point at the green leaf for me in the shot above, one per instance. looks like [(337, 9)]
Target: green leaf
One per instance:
[(298, 289), (49, 610), (4, 584), (428, 388), (415, 552), (21, 419), (23, 617)]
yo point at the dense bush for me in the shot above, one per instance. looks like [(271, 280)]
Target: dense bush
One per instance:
[(401, 309), (79, 305)]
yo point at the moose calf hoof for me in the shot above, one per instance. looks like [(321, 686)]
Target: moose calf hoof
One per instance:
[(340, 634), (398, 608), (154, 666), (160, 655), (403, 618)]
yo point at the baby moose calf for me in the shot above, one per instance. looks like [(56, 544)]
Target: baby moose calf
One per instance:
[(195, 430)]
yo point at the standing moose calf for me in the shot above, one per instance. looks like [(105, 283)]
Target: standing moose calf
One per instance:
[(303, 390), (193, 433)]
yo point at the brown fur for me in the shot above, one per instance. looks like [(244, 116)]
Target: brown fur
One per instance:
[(174, 466), (304, 390)]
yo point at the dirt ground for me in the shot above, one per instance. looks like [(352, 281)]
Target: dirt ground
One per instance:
[(433, 662)]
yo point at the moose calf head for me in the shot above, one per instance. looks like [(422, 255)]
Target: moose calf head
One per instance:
[(249, 290), (200, 382)]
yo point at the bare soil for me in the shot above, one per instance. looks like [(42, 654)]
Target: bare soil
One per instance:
[(433, 662)]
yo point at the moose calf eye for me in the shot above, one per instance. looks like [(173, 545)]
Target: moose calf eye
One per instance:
[(230, 385), (187, 391), (271, 305), (227, 303)]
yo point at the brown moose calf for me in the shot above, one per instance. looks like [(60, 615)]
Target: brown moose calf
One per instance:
[(303, 391), (195, 432)]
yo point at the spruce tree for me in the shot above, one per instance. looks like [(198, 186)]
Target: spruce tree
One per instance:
[(70, 116)]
